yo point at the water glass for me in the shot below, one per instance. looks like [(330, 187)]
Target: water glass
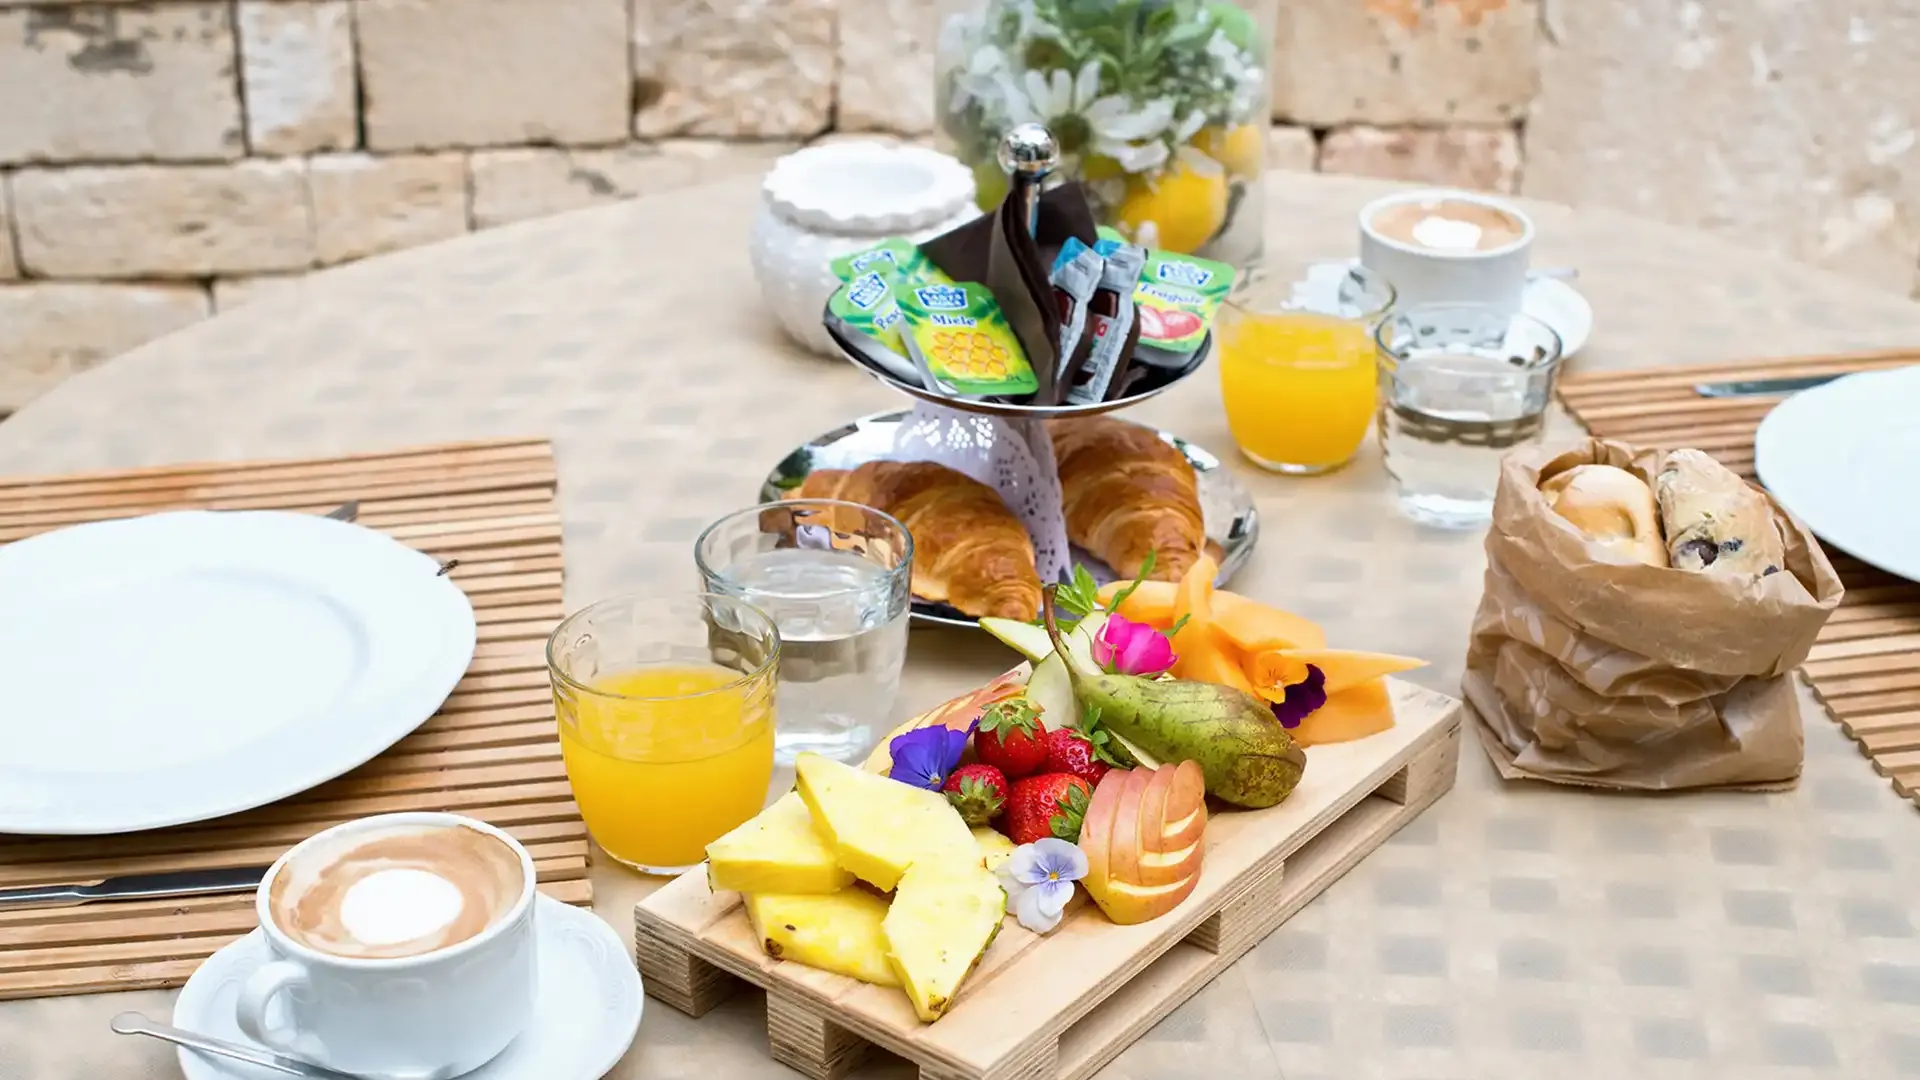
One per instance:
[(1297, 367), (666, 710), (1460, 385), (834, 577)]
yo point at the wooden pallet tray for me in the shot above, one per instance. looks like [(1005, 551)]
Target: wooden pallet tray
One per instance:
[(491, 752), (1865, 666), (1063, 1005)]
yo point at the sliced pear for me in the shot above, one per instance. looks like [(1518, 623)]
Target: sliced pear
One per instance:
[(1052, 690), (1026, 639)]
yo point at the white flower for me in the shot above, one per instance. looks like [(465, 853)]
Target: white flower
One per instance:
[(1065, 102), (1039, 880)]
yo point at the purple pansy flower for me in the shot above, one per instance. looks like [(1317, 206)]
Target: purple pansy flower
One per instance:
[(1039, 880), (1302, 698), (1126, 647), (924, 756)]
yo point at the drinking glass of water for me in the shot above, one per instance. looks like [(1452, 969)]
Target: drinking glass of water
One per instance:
[(1460, 385), (834, 577)]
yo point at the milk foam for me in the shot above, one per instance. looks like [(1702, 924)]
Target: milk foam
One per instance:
[(1446, 234), (394, 905)]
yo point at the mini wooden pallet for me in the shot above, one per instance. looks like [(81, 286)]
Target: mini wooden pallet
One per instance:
[(1061, 1006), (491, 751), (1865, 666)]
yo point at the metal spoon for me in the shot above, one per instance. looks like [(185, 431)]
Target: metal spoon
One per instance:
[(133, 1023)]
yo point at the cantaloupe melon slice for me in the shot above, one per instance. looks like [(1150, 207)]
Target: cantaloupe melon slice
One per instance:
[(1353, 713), (1199, 655), (1248, 624), (1348, 668)]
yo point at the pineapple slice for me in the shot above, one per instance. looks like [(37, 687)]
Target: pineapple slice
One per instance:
[(995, 847), (944, 915), (879, 827), (837, 932), (778, 851)]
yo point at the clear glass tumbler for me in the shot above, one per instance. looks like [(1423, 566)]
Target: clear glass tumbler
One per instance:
[(834, 576), (1297, 366), (1460, 385), (666, 710)]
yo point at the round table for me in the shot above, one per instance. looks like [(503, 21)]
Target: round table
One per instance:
[(1507, 931)]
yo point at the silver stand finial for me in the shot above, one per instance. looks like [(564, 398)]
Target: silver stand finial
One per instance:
[(1029, 155)]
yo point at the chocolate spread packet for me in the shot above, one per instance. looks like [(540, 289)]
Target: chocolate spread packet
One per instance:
[(1113, 329), (1075, 277)]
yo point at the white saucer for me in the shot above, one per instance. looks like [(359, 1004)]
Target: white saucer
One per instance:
[(1558, 304), (585, 1018)]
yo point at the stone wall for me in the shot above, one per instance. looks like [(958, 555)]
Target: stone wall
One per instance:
[(162, 161)]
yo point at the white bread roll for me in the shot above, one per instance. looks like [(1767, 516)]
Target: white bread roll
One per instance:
[(1612, 506)]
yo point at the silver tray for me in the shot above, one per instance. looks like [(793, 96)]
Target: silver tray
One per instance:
[(1156, 381), (1232, 523)]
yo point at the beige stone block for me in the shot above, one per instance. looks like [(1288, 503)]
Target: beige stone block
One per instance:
[(1291, 148), (118, 83), (1486, 159), (52, 329), (9, 262), (513, 185), (231, 293), (886, 65), (296, 62), (163, 220), (755, 68), (364, 205), (442, 73), (1405, 61), (1797, 135)]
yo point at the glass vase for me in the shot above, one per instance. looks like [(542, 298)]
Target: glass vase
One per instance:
[(1160, 106)]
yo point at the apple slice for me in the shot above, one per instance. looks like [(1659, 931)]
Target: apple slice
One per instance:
[(1096, 827), (1184, 810), (1123, 856), (1170, 849)]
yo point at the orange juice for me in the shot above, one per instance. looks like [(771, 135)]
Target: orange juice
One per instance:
[(1298, 387), (666, 759)]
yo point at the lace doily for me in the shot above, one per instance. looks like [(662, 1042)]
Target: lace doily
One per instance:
[(1014, 457)]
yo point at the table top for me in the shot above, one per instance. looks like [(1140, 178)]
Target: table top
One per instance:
[(1510, 929)]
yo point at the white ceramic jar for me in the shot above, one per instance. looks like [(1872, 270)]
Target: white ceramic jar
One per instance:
[(824, 201)]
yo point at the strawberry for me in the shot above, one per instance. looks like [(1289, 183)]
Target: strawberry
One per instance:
[(1050, 804), (977, 791), (1011, 738), (1069, 751)]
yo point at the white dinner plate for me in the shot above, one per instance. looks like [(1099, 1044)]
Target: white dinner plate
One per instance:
[(1841, 458), (182, 666)]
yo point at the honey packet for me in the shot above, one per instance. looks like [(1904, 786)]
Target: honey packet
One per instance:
[(866, 306), (961, 342)]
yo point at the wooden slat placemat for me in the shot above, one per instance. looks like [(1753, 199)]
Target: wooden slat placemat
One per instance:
[(490, 752), (1866, 664)]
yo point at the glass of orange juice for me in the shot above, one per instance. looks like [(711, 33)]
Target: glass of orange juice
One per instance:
[(665, 707), (1297, 366)]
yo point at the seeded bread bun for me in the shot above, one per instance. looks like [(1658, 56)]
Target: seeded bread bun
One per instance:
[(1612, 506), (1716, 522)]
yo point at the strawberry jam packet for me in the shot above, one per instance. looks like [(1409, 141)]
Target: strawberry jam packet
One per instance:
[(1177, 297), (959, 338)]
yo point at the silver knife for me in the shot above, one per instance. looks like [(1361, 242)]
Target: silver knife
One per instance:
[(138, 887), (1765, 387)]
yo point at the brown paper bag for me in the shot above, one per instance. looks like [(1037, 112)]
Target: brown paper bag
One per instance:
[(1616, 674)]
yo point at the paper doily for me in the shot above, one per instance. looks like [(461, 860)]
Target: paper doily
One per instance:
[(1014, 457)]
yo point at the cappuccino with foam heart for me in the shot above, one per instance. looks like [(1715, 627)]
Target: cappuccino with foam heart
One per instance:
[(398, 890)]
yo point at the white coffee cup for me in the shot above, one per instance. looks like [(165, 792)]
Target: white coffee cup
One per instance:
[(1460, 262), (431, 1015)]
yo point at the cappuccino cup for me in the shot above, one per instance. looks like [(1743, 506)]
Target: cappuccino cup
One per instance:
[(1448, 247), (403, 946)]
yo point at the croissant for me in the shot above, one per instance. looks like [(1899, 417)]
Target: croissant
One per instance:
[(1127, 493), (969, 549)]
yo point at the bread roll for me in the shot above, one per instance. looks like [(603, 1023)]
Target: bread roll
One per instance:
[(1716, 522), (1612, 506)]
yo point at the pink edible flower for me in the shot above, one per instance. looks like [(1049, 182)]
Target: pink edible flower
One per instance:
[(1125, 647)]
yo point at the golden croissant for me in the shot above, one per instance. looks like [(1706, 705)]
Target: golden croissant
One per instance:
[(1128, 493), (969, 549)]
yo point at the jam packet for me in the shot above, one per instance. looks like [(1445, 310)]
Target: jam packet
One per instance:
[(866, 306), (1177, 297), (1111, 317), (958, 336), (1075, 277), (892, 257)]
